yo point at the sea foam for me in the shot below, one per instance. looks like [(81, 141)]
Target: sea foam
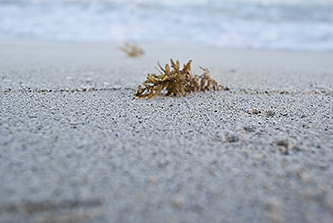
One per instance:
[(260, 24)]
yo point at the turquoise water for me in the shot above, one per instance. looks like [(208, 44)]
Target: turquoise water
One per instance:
[(260, 24)]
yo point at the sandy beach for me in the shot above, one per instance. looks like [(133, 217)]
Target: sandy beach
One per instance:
[(75, 146)]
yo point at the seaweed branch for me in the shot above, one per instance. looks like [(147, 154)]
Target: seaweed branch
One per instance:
[(176, 81), (132, 50)]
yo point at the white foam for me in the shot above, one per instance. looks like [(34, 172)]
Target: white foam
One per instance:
[(295, 25)]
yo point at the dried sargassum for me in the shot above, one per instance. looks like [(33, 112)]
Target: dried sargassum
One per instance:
[(176, 81), (132, 50)]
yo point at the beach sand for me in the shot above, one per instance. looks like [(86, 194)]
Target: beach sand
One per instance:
[(75, 146)]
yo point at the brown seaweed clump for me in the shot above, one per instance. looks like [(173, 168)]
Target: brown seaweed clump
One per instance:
[(132, 50), (176, 81)]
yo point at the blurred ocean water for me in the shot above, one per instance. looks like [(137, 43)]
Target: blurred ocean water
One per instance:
[(260, 24)]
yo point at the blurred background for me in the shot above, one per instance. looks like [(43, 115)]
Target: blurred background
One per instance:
[(261, 24)]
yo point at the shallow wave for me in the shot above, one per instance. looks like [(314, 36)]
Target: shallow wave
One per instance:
[(296, 25)]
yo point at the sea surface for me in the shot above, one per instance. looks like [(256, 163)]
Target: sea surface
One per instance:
[(261, 24)]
